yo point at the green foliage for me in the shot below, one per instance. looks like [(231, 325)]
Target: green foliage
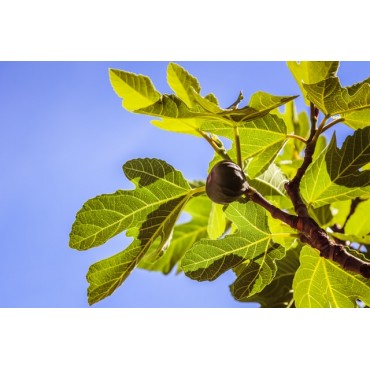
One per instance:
[(321, 283), (272, 266), (336, 175), (312, 72)]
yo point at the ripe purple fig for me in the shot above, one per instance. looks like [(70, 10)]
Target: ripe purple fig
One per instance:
[(226, 182)]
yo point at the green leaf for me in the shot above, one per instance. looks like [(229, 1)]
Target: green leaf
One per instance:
[(359, 223), (169, 106), (176, 116), (212, 98), (163, 193), (320, 282), (331, 98), (344, 164), (290, 158), (208, 259), (358, 118), (217, 222), (364, 239), (107, 215), (260, 104), (322, 215), (184, 236), (137, 91), (209, 104), (279, 293), (182, 83), (260, 139), (312, 72), (255, 275), (334, 175), (271, 185), (259, 164), (340, 211)]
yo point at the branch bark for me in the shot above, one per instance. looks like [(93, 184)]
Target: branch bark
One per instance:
[(312, 234)]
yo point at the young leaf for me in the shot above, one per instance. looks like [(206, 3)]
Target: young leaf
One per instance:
[(312, 72), (334, 175), (184, 236), (208, 259), (320, 282), (182, 83), (137, 91), (105, 216), (208, 103), (256, 274)]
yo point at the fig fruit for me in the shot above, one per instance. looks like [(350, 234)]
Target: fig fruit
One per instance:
[(226, 182)]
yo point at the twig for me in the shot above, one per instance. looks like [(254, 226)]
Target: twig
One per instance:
[(292, 187), (293, 136), (237, 101), (331, 124)]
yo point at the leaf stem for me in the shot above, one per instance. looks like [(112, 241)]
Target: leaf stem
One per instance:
[(320, 128), (217, 147), (290, 304), (201, 189), (331, 124), (237, 146), (293, 136)]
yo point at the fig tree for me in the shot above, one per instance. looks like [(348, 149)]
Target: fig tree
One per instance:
[(226, 182)]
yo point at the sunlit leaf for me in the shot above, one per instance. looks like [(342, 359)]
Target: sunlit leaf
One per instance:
[(359, 223), (253, 276), (148, 213), (312, 72), (137, 91), (260, 139), (182, 83), (260, 104), (279, 293), (208, 259), (217, 222), (352, 103), (335, 175), (320, 282)]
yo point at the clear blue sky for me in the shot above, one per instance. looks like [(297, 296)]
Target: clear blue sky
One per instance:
[(64, 139)]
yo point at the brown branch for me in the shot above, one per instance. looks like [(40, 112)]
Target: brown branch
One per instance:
[(310, 231), (312, 234)]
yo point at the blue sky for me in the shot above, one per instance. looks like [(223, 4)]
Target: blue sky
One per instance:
[(64, 139)]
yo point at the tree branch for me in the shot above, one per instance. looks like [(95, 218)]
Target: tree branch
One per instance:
[(292, 187), (310, 231), (312, 234)]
